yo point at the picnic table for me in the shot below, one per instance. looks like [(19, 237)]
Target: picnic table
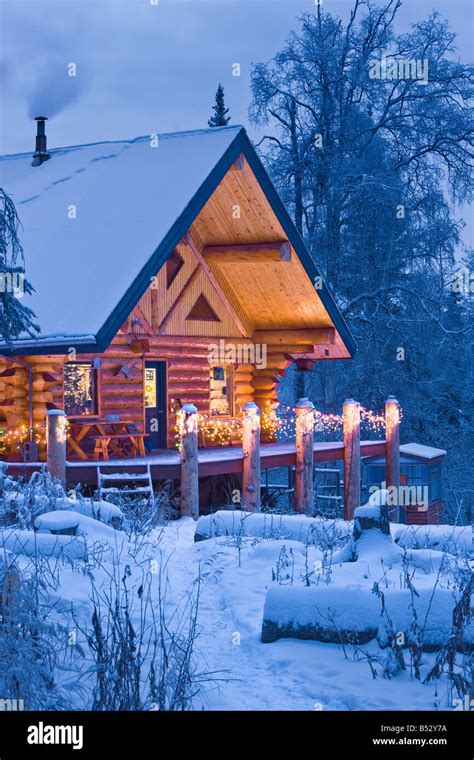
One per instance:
[(118, 437)]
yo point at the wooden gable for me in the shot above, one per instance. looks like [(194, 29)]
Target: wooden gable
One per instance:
[(166, 308)]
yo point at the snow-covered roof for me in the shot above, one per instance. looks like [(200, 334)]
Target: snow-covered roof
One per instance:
[(418, 450), (99, 220), (126, 195)]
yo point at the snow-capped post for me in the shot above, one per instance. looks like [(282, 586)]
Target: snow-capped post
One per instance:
[(392, 459), (56, 444), (188, 428), (251, 456), (304, 488), (351, 428)]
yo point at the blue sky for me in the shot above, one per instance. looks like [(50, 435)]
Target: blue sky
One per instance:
[(144, 68)]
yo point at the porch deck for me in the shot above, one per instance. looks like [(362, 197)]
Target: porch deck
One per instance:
[(219, 461)]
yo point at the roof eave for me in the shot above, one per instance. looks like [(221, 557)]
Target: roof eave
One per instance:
[(240, 144)]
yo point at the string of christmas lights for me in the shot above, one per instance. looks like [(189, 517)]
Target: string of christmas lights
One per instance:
[(14, 438), (278, 423)]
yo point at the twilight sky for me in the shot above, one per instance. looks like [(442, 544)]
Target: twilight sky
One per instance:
[(145, 68)]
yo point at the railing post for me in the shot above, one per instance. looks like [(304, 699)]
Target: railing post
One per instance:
[(251, 456), (392, 458), (188, 428), (351, 428), (56, 444), (304, 488)]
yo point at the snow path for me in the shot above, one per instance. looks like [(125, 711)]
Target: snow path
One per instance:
[(285, 675), (251, 680)]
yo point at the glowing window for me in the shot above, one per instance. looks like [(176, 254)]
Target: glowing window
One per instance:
[(221, 402), (150, 387), (79, 389)]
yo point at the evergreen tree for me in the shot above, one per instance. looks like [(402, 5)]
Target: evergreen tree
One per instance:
[(219, 118), (15, 318)]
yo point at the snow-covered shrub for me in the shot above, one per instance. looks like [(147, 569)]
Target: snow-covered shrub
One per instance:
[(323, 533), (141, 515), (142, 647), (450, 538), (22, 501), (99, 509), (32, 644), (33, 544)]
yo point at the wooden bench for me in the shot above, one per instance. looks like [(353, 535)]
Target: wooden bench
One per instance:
[(115, 440)]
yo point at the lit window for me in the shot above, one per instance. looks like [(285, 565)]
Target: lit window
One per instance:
[(221, 391), (150, 388), (79, 389)]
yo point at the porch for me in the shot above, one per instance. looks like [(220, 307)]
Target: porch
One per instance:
[(224, 460)]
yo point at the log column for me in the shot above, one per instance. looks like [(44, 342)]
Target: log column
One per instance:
[(251, 456), (188, 428), (351, 427), (56, 443), (304, 488), (392, 459)]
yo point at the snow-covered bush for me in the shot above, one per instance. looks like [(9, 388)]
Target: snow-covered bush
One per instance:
[(141, 646), (22, 501), (320, 532), (142, 514), (33, 645)]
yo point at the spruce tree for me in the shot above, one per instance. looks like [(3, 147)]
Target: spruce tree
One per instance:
[(15, 318), (219, 118)]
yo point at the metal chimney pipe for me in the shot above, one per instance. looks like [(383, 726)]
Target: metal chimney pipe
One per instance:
[(41, 153)]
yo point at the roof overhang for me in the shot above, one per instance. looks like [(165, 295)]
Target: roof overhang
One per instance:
[(99, 342)]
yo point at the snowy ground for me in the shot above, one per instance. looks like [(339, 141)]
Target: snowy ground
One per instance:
[(285, 675), (236, 572)]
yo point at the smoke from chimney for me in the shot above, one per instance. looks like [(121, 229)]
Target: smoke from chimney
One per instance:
[(41, 153)]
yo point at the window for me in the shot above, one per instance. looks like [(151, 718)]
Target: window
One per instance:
[(150, 388), (80, 393), (221, 391)]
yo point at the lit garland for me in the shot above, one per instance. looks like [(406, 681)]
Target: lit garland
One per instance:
[(14, 438), (278, 423)]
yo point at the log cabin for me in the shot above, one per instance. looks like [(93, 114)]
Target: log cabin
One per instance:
[(166, 271)]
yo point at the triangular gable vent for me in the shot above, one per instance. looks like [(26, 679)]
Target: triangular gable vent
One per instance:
[(202, 311)]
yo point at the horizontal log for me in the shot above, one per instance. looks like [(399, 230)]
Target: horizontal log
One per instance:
[(185, 362), (263, 383), (192, 341), (191, 398), (165, 352), (244, 388), (308, 336), (181, 388), (123, 392), (243, 378), (14, 391), (254, 253), (178, 376), (42, 397), (281, 351), (116, 403)]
